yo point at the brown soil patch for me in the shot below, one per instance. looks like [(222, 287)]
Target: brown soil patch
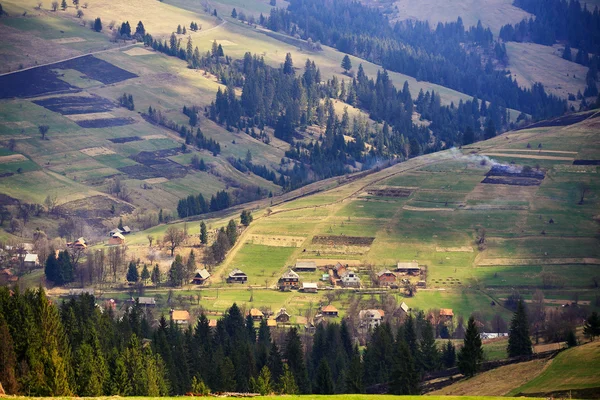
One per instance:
[(537, 261), (276, 241), (537, 151), (412, 208), (155, 181), (12, 158), (74, 39), (150, 137), (224, 42), (97, 151), (530, 156), (464, 249), (18, 124), (138, 51), (343, 240), (485, 192), (340, 250), (390, 192), (84, 117), (323, 262)]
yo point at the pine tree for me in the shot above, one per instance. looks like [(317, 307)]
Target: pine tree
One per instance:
[(346, 63), (231, 232), (354, 381), (490, 129), (132, 273), (295, 360), (288, 65), (8, 360), (51, 269), (405, 379), (449, 355), (190, 266), (287, 383), (234, 13), (203, 233), (471, 354), (429, 356), (120, 226), (263, 383), (323, 379), (89, 378), (63, 5), (145, 274), (591, 328), (98, 25), (567, 53), (274, 362), (176, 272), (519, 342), (156, 276), (246, 217)]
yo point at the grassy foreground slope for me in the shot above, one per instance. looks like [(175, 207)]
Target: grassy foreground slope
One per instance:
[(574, 369)]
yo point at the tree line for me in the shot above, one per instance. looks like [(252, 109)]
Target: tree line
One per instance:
[(437, 55)]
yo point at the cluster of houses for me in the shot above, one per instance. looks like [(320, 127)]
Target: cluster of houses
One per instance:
[(20, 257)]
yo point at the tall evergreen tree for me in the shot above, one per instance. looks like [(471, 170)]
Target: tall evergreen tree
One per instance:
[(288, 65), (591, 328), (354, 381), (295, 361), (471, 354), (8, 360), (203, 233), (323, 379), (405, 379), (429, 356), (132, 273), (346, 63), (519, 342), (231, 232), (449, 355)]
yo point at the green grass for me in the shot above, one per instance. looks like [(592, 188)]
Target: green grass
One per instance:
[(262, 263), (576, 368)]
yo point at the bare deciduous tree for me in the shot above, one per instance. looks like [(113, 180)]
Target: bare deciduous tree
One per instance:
[(173, 238)]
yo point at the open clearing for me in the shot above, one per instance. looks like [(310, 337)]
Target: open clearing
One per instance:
[(412, 208), (155, 181), (467, 249), (530, 156), (12, 158), (83, 117), (97, 151), (139, 51), (68, 40)]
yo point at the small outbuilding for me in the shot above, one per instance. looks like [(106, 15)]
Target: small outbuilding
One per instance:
[(305, 266), (116, 239), (31, 261), (201, 276), (282, 316), (180, 317), (409, 268), (237, 276), (329, 311), (309, 287)]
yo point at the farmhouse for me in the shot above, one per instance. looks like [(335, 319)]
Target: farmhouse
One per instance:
[(180, 317), (329, 311), (386, 278), (446, 314), (369, 319), (200, 276), (308, 287), (289, 280), (31, 261), (282, 316), (409, 268), (116, 230), (350, 279), (339, 269), (237, 276), (256, 314), (305, 266), (116, 239)]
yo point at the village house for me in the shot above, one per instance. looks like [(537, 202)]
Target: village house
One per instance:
[(350, 279), (309, 287), (200, 276), (31, 261), (79, 244), (237, 276), (282, 316), (6, 277), (271, 323), (256, 314), (116, 239), (126, 230), (329, 311), (446, 314), (369, 319), (386, 278), (339, 269), (180, 317), (305, 266), (408, 268), (289, 280), (116, 230)]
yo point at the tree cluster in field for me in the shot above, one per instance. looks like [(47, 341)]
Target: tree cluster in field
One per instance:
[(199, 140), (192, 114), (196, 205), (259, 170), (126, 100), (440, 55)]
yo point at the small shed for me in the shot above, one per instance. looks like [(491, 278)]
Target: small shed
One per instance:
[(145, 301), (305, 266), (237, 276), (446, 314), (329, 311), (126, 230), (271, 323), (409, 268), (116, 239), (309, 287), (201, 276)]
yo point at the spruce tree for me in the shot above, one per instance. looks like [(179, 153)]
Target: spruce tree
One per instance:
[(449, 355), (287, 383), (405, 379), (132, 273), (231, 232), (323, 379), (295, 360), (63, 5), (346, 63), (156, 276), (288, 65), (176, 272), (203, 233), (519, 342), (429, 356), (354, 381), (145, 274), (274, 363), (98, 25), (8, 359), (471, 354), (591, 328)]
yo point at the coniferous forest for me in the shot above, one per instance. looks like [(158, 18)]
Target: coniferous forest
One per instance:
[(79, 347)]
